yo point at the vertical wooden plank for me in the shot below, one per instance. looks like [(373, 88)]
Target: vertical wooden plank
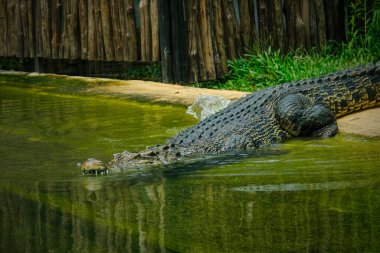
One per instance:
[(131, 31), (193, 45), (143, 41), (145, 32), (313, 25), (40, 28), (254, 17), (300, 26), (45, 29), (197, 69), (55, 28), (183, 40), (329, 19), (35, 35), (123, 31), (23, 29), (280, 26), (64, 45), (234, 10), (105, 20), (27, 20), (74, 36), (263, 20), (178, 41), (290, 16), (11, 30), (219, 35), (229, 30), (30, 27), (92, 41), (201, 61), (245, 24), (335, 25), (305, 15), (212, 20), (207, 40), (83, 20), (116, 30), (3, 28), (19, 43), (99, 32), (154, 27), (321, 21), (165, 41)]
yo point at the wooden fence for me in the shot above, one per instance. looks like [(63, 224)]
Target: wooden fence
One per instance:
[(103, 30), (217, 30), (193, 39)]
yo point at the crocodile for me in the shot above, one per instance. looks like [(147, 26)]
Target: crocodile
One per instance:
[(306, 108)]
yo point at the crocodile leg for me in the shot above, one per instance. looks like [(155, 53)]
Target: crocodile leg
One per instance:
[(299, 116)]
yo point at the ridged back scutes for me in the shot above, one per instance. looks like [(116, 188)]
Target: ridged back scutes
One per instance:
[(343, 92)]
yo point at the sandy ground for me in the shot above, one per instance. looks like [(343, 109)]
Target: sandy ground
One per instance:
[(160, 92), (362, 123)]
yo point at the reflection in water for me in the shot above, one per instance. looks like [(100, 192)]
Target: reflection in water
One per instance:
[(303, 196), (296, 187), (167, 215), (71, 217)]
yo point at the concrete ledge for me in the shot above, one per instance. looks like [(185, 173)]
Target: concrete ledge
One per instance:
[(366, 123)]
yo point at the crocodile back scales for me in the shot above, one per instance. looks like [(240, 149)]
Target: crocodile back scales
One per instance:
[(254, 117)]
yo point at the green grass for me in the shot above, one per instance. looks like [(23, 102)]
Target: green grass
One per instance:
[(264, 69)]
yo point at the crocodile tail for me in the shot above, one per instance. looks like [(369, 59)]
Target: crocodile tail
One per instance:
[(354, 90)]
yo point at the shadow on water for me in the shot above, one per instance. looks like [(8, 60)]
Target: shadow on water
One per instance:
[(302, 196)]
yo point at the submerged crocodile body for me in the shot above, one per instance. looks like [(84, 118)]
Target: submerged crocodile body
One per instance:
[(302, 108)]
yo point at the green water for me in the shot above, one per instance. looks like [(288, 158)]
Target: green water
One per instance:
[(302, 196)]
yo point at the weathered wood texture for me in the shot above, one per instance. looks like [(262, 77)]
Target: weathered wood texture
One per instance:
[(193, 39), (218, 30), (103, 30)]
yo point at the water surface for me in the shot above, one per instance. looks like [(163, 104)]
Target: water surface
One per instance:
[(301, 196)]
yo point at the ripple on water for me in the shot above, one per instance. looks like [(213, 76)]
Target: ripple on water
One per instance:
[(334, 185)]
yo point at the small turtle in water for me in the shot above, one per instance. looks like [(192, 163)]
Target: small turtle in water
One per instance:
[(93, 166)]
